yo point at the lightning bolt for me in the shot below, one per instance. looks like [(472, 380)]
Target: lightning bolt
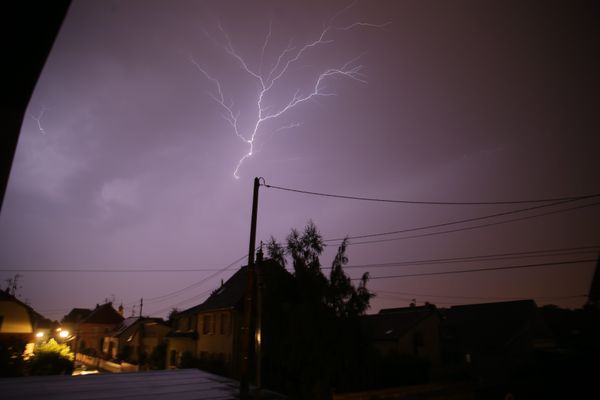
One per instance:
[(268, 79), (38, 119)]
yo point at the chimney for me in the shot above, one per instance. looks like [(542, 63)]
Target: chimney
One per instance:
[(121, 310)]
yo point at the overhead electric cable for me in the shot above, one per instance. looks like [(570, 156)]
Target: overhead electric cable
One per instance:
[(347, 197), (480, 258), (466, 271), (461, 221), (470, 227), (199, 282), (388, 292)]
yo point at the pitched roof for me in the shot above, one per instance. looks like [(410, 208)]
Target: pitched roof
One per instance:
[(104, 314), (393, 323), (37, 319), (126, 324), (230, 294), (76, 315), (130, 322), (489, 325)]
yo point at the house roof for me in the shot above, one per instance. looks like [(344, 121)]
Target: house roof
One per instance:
[(37, 319), (393, 323), (125, 324), (76, 315), (103, 314), (490, 325), (130, 322), (230, 294)]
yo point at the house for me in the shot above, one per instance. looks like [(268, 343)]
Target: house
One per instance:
[(408, 331), (492, 341), (90, 330), (18, 320), (134, 339), (210, 332)]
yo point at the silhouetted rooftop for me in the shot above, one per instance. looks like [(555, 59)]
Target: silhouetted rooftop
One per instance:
[(103, 314), (76, 315), (392, 323), (490, 325), (230, 294)]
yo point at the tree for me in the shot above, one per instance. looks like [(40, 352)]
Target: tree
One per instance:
[(313, 343), (172, 314), (158, 357)]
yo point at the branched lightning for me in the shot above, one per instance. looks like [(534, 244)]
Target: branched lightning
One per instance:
[(268, 78), (38, 119)]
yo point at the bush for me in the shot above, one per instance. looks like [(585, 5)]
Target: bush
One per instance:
[(51, 358), (158, 357)]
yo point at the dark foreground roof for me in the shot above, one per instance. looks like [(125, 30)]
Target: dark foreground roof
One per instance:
[(186, 384)]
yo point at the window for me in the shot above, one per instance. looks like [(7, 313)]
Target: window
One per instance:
[(224, 324), (206, 325)]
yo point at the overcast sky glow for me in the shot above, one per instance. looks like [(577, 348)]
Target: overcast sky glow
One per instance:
[(126, 161)]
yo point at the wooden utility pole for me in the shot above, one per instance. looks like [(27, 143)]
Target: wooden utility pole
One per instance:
[(141, 337), (248, 299)]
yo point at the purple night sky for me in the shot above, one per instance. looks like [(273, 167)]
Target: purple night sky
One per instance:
[(126, 159)]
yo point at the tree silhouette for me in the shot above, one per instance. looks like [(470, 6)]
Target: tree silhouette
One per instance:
[(313, 342)]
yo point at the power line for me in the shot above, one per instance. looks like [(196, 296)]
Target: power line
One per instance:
[(104, 270), (486, 257), (461, 221), (349, 197), (480, 258), (387, 292), (469, 227), (199, 282), (465, 271)]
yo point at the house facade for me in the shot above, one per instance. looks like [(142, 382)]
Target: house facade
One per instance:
[(211, 332), (90, 331), (135, 339)]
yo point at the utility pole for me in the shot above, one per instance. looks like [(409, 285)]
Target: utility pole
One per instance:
[(248, 299), (258, 328), (141, 337)]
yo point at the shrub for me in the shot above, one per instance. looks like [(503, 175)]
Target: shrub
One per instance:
[(51, 358)]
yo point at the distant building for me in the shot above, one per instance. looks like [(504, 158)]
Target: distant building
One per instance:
[(134, 339), (90, 330), (493, 340), (412, 331)]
